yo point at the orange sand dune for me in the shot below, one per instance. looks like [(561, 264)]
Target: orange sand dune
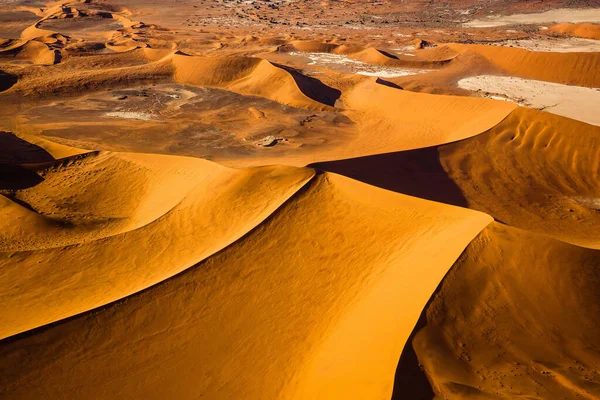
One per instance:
[(317, 301), (516, 317), (588, 31), (31, 51), (250, 76), (391, 120), (106, 207), (528, 171), (568, 68)]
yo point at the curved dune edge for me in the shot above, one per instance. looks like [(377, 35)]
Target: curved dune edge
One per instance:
[(516, 316), (116, 211), (273, 304), (395, 120), (528, 171), (586, 31), (567, 68)]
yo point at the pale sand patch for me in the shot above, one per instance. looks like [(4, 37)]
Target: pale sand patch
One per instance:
[(349, 65), (556, 45), (560, 15), (129, 115), (574, 102)]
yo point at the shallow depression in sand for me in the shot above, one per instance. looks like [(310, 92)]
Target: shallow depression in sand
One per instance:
[(569, 101), (555, 45), (560, 15), (346, 64)]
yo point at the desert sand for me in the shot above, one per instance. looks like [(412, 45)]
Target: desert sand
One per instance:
[(299, 200)]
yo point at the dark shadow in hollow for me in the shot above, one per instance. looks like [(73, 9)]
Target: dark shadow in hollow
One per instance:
[(7, 81), (417, 173), (15, 151), (410, 381), (313, 88)]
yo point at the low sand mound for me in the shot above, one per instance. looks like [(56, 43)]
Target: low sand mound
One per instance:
[(529, 171), (587, 31), (516, 317), (245, 75), (317, 301), (568, 68), (122, 211), (391, 119), (378, 57), (430, 58)]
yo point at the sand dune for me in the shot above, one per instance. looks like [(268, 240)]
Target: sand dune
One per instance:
[(497, 328), (251, 76), (265, 283), (567, 68), (31, 51), (588, 31), (394, 120), (151, 196), (510, 172)]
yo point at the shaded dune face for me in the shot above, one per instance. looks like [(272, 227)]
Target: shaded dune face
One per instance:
[(515, 317)]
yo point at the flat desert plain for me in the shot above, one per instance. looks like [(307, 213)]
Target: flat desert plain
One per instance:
[(299, 199)]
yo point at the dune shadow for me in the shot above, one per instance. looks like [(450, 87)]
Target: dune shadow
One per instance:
[(16, 177), (410, 381), (14, 152), (7, 81), (417, 173), (313, 88), (389, 55), (388, 84)]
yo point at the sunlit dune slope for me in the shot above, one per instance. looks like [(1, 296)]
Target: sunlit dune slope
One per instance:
[(98, 228), (569, 68), (31, 51), (391, 119), (588, 31), (534, 170), (315, 302), (516, 317)]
